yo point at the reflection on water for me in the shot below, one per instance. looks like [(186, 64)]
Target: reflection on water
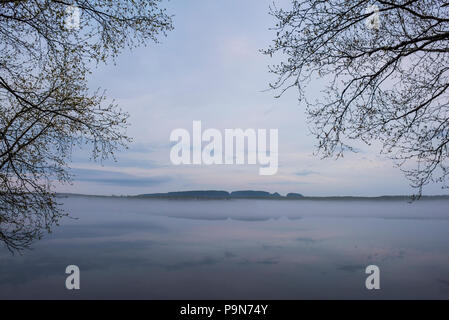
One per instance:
[(238, 249)]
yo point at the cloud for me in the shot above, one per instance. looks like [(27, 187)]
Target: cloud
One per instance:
[(239, 47), (304, 173), (117, 178)]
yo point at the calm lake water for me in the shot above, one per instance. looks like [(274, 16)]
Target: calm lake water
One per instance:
[(237, 249)]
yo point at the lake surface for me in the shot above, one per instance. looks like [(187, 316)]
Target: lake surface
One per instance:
[(237, 249)]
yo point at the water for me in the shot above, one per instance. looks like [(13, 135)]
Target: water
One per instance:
[(237, 249)]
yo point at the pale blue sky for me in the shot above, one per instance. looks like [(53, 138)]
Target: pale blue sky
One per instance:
[(210, 69)]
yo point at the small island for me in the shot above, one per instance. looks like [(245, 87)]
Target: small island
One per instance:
[(219, 194)]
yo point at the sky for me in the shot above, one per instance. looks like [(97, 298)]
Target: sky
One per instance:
[(210, 69)]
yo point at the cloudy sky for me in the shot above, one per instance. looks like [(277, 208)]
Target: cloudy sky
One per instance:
[(210, 69)]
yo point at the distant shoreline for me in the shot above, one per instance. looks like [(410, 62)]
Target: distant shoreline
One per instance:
[(250, 195)]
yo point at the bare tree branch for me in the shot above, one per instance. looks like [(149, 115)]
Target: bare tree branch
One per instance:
[(388, 83), (46, 107)]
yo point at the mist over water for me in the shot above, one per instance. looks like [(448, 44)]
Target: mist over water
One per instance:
[(237, 249)]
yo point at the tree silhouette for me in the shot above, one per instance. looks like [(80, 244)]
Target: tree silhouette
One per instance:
[(46, 107), (385, 65)]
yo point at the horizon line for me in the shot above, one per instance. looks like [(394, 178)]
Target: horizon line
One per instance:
[(143, 195)]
